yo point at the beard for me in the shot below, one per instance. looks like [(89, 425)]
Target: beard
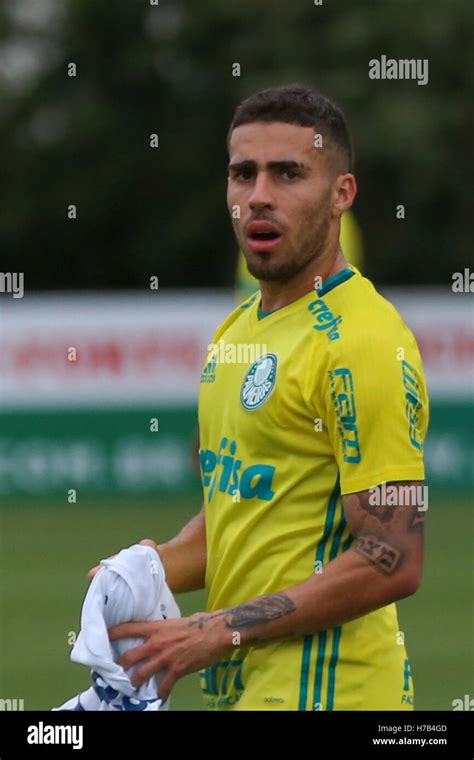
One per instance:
[(270, 266)]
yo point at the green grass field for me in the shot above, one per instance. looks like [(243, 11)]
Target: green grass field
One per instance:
[(47, 548)]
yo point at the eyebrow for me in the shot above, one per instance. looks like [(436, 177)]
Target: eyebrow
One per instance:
[(250, 165)]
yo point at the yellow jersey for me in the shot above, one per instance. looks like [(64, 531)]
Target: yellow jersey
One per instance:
[(322, 397)]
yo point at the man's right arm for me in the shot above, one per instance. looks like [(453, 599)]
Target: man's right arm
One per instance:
[(184, 557)]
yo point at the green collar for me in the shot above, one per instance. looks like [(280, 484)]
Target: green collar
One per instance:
[(261, 314), (335, 280), (329, 284)]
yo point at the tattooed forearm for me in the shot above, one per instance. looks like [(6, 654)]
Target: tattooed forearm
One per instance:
[(260, 611), (417, 520), (402, 502), (248, 614), (368, 502), (385, 556)]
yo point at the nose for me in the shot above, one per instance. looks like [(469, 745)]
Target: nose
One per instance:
[(261, 194)]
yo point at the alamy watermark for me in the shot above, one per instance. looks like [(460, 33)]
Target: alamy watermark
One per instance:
[(399, 496), (41, 733), (463, 282), (12, 282), (402, 68), (12, 705), (236, 353), (465, 703)]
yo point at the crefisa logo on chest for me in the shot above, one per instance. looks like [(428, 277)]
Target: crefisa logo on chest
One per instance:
[(259, 382)]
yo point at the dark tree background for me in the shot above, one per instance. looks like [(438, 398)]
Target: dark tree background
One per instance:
[(167, 69)]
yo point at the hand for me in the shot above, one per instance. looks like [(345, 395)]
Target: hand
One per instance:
[(94, 570), (173, 647)]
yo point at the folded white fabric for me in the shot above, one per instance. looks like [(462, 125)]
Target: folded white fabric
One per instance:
[(131, 586)]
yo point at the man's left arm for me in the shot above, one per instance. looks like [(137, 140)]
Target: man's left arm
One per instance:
[(383, 564)]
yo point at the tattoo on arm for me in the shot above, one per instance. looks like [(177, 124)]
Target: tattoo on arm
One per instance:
[(248, 614), (409, 498), (262, 610), (384, 512), (417, 520), (385, 556)]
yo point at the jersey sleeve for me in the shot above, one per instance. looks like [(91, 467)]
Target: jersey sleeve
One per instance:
[(372, 400)]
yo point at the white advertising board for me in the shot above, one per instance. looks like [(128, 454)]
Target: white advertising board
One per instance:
[(126, 349)]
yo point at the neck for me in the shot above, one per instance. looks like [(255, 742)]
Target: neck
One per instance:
[(277, 294)]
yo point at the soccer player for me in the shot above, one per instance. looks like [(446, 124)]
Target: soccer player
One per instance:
[(311, 454)]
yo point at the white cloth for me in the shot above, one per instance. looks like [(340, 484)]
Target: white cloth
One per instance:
[(131, 586)]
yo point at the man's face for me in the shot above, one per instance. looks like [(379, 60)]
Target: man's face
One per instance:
[(282, 185)]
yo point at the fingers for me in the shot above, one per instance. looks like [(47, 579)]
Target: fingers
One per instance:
[(145, 542), (93, 571), (166, 684), (142, 630), (132, 656), (152, 666), (148, 542)]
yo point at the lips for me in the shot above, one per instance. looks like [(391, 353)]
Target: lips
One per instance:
[(263, 235)]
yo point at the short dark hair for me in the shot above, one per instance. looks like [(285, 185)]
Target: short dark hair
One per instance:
[(295, 104)]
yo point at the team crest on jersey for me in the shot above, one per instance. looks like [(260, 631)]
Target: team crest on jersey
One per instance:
[(259, 382)]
